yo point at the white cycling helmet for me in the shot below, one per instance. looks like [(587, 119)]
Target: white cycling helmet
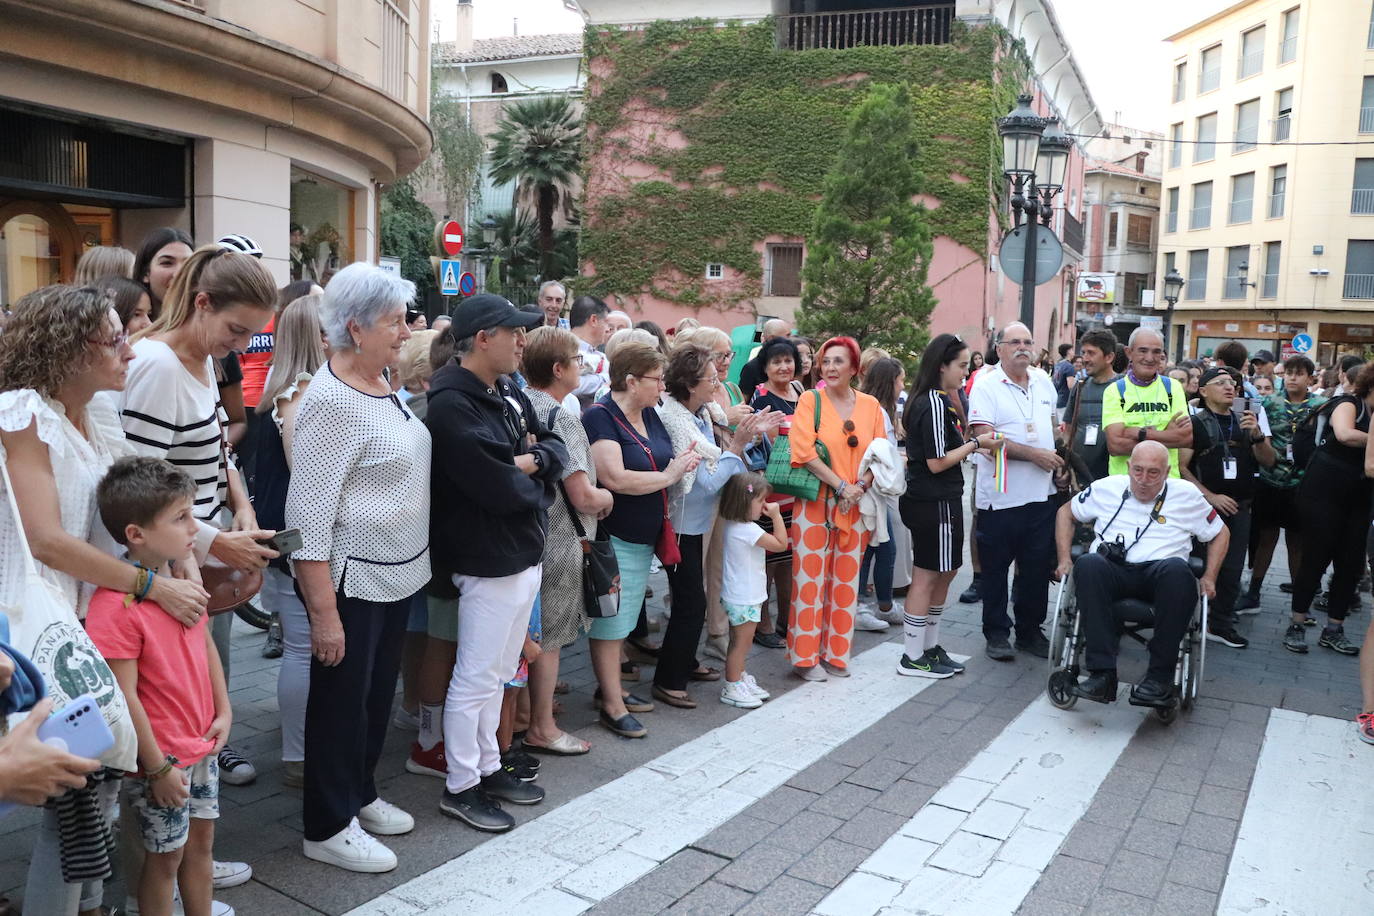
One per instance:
[(240, 243)]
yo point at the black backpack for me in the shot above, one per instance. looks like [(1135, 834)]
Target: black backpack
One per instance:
[(1313, 432)]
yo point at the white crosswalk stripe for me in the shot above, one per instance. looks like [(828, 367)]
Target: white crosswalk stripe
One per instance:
[(577, 855), (979, 845), (1308, 830)]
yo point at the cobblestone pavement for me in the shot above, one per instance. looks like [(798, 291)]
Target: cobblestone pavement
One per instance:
[(876, 793)]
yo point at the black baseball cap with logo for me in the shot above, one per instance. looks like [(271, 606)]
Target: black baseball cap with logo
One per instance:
[(488, 310)]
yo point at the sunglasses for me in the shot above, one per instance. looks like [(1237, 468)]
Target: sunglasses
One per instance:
[(853, 440)]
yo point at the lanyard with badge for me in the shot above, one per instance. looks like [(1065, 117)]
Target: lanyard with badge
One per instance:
[(1228, 461), (1031, 434)]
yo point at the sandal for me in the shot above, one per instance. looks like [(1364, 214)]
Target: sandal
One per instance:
[(562, 687), (672, 699), (632, 702), (705, 673), (627, 726), (565, 745), (629, 671), (769, 640)]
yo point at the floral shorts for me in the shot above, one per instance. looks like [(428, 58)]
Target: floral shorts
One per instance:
[(742, 613), (166, 829)]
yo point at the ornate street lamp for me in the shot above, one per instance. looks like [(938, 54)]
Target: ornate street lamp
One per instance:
[(1173, 285), (1035, 159)]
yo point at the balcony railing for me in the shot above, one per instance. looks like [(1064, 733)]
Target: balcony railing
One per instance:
[(1282, 128), (1358, 286), (1276, 205), (1195, 288), (1232, 288), (1241, 210), (1200, 218), (1362, 200), (1367, 120), (1209, 79), (923, 25), (1250, 64), (1171, 221), (1288, 49), (1269, 286)]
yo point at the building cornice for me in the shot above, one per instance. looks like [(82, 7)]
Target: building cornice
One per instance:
[(172, 48)]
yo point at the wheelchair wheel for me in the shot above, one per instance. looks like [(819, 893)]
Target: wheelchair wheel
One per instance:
[(1060, 689), (1061, 627)]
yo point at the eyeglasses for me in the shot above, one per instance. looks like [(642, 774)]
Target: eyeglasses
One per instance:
[(714, 380), (723, 357), (577, 359), (853, 440), (119, 340), (649, 378), (1019, 343)]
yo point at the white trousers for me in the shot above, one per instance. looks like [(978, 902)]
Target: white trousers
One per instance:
[(493, 618)]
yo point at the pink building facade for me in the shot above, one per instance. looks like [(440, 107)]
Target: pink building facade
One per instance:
[(975, 297)]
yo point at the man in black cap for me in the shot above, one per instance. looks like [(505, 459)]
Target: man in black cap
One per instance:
[(495, 470), (1224, 460)]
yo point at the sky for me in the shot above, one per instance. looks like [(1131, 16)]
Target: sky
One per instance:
[(1118, 44)]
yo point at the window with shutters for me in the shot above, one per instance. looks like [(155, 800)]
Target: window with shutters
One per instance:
[(1201, 215), (1209, 69), (1233, 285), (1171, 210), (1359, 269), (782, 275), (1367, 106), (1196, 285), (1180, 80), (1247, 126), (1251, 53), (1242, 198), (1206, 146), (1269, 282), (1362, 195), (1283, 114), (1175, 146), (1278, 190), (1288, 44), (1139, 231), (1111, 230)]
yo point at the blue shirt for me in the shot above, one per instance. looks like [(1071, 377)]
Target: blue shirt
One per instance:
[(692, 513)]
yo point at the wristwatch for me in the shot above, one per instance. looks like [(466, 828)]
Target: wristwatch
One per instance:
[(538, 461), (1143, 434)]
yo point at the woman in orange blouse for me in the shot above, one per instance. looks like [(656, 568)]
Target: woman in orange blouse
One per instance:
[(827, 549)]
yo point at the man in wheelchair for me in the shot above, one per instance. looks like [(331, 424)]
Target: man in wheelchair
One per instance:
[(1144, 524)]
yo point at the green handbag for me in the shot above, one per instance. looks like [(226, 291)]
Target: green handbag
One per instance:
[(790, 481)]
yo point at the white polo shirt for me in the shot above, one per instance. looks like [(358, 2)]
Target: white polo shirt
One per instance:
[(1114, 513), (1024, 415)]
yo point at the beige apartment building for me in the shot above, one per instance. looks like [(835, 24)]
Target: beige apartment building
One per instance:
[(1268, 183), (257, 117)]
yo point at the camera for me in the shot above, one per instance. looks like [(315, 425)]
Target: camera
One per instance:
[(1113, 550)]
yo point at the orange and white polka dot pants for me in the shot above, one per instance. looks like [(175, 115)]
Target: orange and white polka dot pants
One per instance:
[(825, 588)]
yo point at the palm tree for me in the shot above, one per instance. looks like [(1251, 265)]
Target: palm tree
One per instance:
[(538, 146)]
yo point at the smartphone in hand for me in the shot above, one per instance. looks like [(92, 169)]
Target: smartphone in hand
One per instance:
[(286, 542)]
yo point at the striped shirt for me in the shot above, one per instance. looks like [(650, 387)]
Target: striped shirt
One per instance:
[(933, 431), (168, 413)]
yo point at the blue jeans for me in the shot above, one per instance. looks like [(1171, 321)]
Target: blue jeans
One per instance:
[(884, 560)]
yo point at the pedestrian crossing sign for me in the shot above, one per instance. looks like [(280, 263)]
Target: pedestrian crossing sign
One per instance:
[(448, 277)]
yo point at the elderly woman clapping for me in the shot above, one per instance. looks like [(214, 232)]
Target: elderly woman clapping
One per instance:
[(360, 496)]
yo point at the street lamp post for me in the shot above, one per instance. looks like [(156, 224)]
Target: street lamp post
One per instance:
[(1173, 285), (1035, 158), (488, 226)]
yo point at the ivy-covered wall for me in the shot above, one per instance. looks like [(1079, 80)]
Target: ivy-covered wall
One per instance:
[(705, 140)]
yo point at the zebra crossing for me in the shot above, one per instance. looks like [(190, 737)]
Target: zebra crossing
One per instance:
[(980, 845)]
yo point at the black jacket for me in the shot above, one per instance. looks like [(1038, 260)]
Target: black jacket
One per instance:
[(488, 518)]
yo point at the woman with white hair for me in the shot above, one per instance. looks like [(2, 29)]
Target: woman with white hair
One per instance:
[(359, 493)]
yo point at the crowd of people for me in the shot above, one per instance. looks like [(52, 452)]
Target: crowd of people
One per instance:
[(423, 503)]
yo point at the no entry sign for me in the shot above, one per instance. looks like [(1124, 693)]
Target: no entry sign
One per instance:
[(448, 238)]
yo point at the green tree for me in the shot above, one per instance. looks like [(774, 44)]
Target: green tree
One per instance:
[(407, 232), (871, 245), (455, 164), (538, 146)]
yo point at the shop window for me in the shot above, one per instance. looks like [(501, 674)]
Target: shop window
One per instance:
[(38, 247), (321, 227)]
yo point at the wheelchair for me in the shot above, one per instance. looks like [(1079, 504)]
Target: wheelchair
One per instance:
[(1134, 617)]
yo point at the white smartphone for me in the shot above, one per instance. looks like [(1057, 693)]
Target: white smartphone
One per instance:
[(78, 728)]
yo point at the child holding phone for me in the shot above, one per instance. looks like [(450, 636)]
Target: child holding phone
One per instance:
[(744, 581), (173, 682)]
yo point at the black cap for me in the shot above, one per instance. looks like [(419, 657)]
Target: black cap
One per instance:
[(1262, 356), (488, 310)]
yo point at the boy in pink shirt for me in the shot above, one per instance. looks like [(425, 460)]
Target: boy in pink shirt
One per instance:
[(172, 681)]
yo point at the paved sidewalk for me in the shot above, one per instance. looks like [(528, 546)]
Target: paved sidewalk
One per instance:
[(1156, 836)]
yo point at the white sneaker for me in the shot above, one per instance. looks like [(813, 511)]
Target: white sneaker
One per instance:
[(869, 622), (232, 874), (234, 768), (405, 721), (385, 819), (739, 694), (754, 687), (892, 615), (217, 907), (352, 849)]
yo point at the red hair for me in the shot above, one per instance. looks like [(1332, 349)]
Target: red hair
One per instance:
[(849, 343)]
